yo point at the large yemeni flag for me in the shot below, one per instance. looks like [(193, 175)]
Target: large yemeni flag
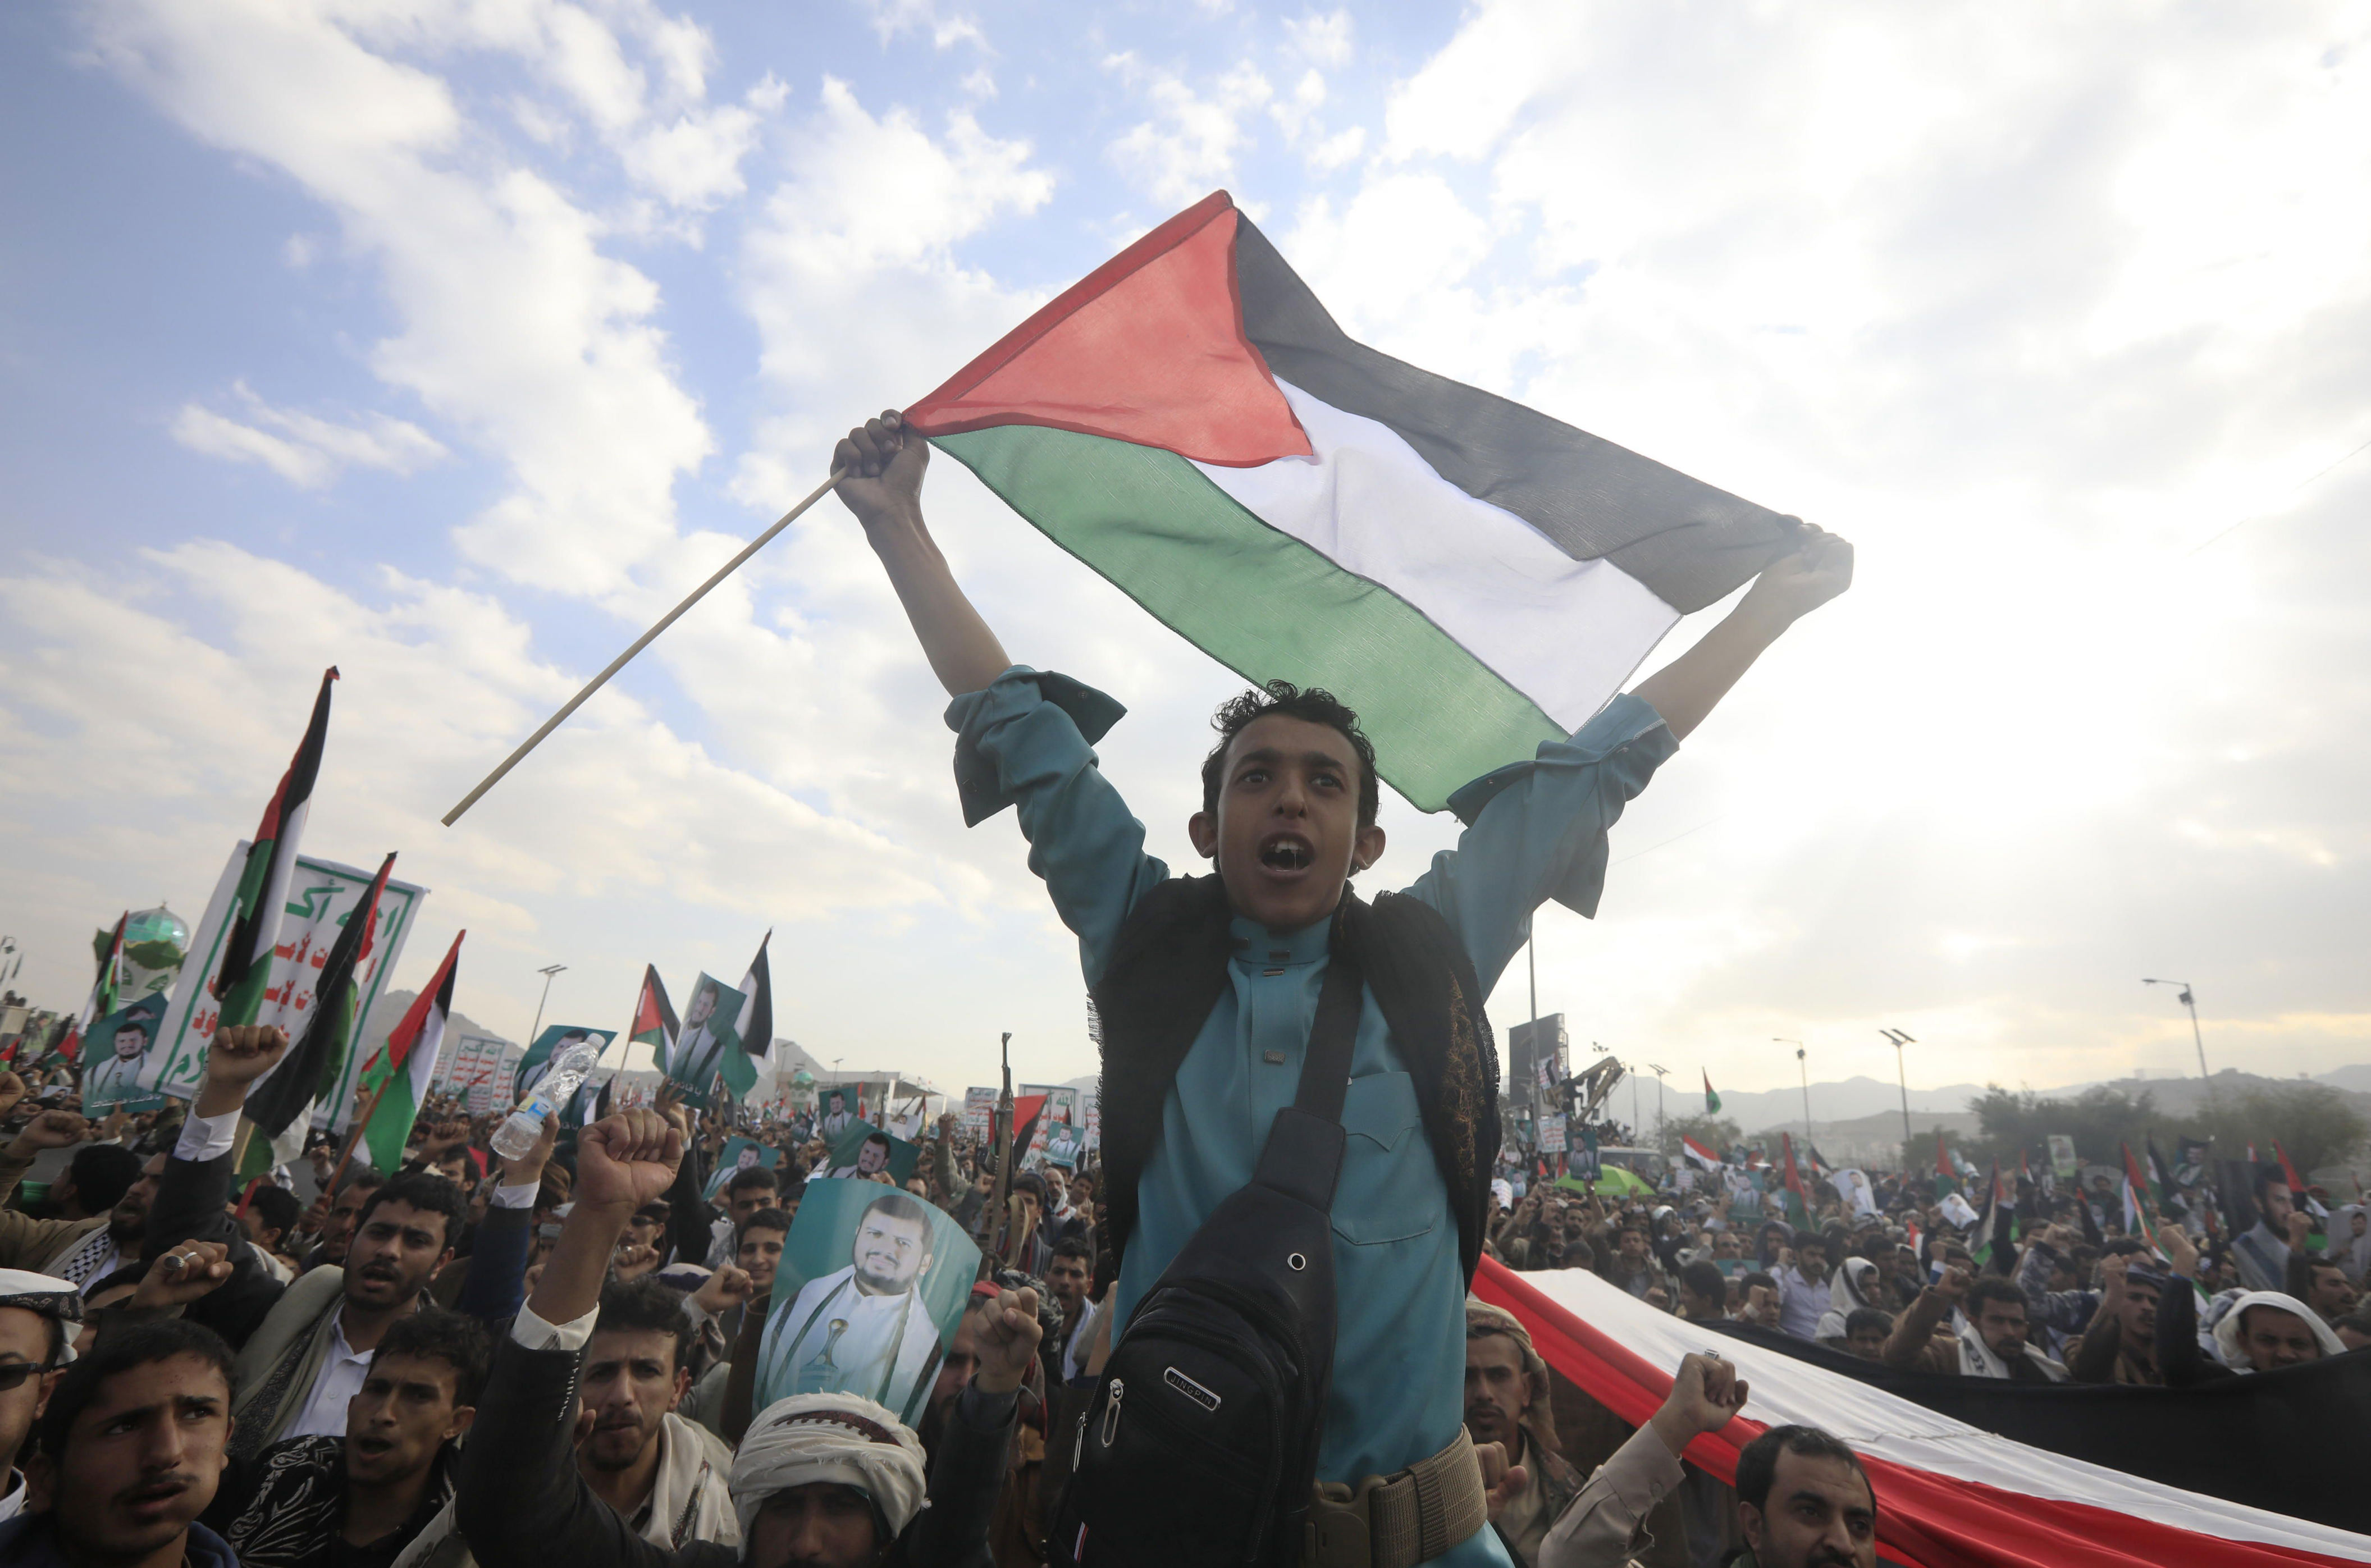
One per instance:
[(1473, 577), (1949, 1494), (1697, 1155), (262, 893), (398, 1082)]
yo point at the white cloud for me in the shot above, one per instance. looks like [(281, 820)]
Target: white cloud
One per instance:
[(1193, 140), (945, 27), (514, 326), (305, 450), (2019, 302), (1325, 39)]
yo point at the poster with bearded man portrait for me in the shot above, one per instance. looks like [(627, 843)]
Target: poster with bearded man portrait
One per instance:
[(872, 1283)]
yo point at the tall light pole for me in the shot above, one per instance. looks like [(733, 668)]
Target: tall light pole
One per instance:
[(1898, 1040), (547, 971), (2186, 999), (1661, 1120), (1803, 1062)]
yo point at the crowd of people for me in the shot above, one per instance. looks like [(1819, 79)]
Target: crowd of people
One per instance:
[(553, 1357), (2050, 1289)]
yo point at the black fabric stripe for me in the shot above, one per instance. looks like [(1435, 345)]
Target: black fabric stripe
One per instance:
[(1688, 542)]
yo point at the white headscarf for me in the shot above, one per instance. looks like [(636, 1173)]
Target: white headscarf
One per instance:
[(1847, 1294), (838, 1439), (2227, 1329), (46, 1295)]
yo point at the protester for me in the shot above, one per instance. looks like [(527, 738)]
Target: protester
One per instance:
[(1195, 1068), (35, 1314), (1803, 1500), (1853, 1289), (1506, 1403), (1604, 1524), (128, 1454), (2261, 1251), (2119, 1343), (1068, 1274), (1758, 1301), (339, 1215), (1805, 1296), (84, 1247), (1632, 1265), (382, 1492), (1866, 1331), (1989, 1341), (821, 1481), (1704, 1294), (2260, 1330)]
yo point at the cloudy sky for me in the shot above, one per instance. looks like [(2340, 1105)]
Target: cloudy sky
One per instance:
[(449, 340)]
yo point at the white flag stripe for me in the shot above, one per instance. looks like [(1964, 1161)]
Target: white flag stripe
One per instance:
[(1565, 633), (1879, 1425)]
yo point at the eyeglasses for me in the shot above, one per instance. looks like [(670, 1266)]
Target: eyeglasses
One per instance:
[(14, 1373)]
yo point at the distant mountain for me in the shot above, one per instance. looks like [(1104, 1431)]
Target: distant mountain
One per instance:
[(2355, 1078), (1830, 1102)]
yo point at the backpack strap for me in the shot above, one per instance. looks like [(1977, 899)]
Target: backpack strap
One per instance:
[(1325, 1066)]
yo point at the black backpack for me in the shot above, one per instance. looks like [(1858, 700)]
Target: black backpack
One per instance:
[(1198, 1448)]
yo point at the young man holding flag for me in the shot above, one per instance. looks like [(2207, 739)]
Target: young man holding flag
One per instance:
[(1206, 987)]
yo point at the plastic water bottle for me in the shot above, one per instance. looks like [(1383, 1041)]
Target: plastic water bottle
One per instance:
[(520, 1129)]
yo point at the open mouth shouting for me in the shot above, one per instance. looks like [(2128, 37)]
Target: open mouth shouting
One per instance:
[(1286, 854)]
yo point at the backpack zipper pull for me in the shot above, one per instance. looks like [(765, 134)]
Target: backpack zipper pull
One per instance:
[(1111, 1413)]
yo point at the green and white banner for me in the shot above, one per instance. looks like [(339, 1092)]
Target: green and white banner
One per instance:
[(320, 894)]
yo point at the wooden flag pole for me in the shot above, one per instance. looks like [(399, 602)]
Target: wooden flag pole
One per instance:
[(619, 662)]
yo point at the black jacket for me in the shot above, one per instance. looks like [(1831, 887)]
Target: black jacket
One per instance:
[(522, 1504)]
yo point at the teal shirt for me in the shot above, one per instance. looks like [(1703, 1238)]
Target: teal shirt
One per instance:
[(1399, 1359)]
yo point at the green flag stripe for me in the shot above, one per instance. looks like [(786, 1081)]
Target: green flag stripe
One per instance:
[(1262, 602)]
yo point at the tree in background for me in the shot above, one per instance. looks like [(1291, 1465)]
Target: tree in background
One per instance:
[(1718, 1134)]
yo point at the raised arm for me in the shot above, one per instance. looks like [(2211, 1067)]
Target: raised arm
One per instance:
[(884, 462), (1684, 690)]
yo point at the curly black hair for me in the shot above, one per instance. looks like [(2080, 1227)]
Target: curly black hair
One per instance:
[(1313, 704)]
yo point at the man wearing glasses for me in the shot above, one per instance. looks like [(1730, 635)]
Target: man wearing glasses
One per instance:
[(34, 1312)]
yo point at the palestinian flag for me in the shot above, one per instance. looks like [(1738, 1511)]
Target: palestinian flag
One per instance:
[(655, 1022), (2305, 1199), (397, 1083), (103, 992), (1696, 1154), (1712, 1095), (752, 1051), (1818, 1162), (1947, 1177), (264, 885), (2140, 1217), (1799, 1201), (1472, 576), (281, 1104)]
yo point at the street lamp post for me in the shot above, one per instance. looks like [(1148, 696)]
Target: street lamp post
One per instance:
[(1662, 1122), (2186, 999), (1898, 1040), (547, 971), (1803, 1062)]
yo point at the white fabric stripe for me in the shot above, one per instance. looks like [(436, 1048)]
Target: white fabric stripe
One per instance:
[(1879, 1425), (1565, 633)]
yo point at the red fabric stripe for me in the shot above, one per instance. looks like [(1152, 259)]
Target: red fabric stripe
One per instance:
[(1148, 347), (1925, 1520)]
